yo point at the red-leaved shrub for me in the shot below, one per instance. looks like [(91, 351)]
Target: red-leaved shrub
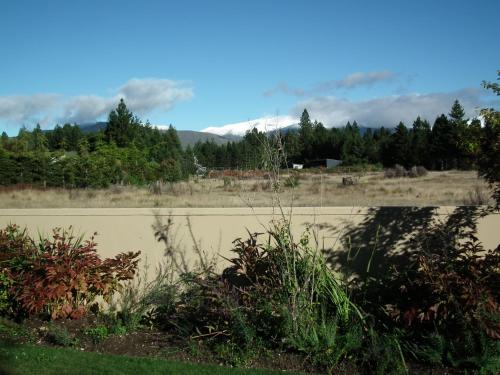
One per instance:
[(61, 277)]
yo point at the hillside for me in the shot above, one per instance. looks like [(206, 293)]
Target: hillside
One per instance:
[(187, 137), (190, 137)]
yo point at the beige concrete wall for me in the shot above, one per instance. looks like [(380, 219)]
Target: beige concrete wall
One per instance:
[(215, 228)]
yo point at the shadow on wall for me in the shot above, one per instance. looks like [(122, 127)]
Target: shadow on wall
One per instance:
[(393, 236)]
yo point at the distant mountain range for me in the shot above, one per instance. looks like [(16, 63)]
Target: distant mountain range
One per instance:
[(223, 134), (263, 124), (284, 124), (93, 127), (191, 137), (187, 137)]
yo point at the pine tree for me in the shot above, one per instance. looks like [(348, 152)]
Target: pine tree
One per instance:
[(121, 127), (457, 113), (459, 122), (306, 135), (352, 145), (443, 144), (420, 142), (39, 141), (4, 139), (400, 146)]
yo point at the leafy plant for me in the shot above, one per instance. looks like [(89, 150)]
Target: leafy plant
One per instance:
[(11, 331), (5, 298), (61, 277), (459, 279), (60, 336), (98, 334), (278, 294), (445, 302)]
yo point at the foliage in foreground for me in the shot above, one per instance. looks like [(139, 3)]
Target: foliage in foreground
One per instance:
[(280, 295), (445, 302), (60, 277), (275, 295)]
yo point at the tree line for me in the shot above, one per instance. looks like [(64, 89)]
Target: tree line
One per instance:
[(130, 152), (451, 142), (126, 152)]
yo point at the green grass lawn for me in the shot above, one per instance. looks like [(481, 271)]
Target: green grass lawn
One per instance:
[(26, 359)]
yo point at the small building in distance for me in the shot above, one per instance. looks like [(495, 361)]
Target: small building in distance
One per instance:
[(323, 163)]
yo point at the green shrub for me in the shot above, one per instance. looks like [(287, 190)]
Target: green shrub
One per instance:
[(97, 334), (444, 304), (232, 354), (281, 295), (57, 335), (11, 331), (5, 297), (382, 353)]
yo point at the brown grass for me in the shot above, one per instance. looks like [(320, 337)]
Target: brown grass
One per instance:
[(371, 189)]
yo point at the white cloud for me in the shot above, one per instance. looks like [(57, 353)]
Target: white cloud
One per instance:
[(284, 88), (22, 109), (87, 108), (142, 96), (351, 81), (266, 123), (388, 111), (363, 79), (145, 95)]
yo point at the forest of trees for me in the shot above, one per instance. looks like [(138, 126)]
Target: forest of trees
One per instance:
[(127, 152), (452, 142), (130, 152)]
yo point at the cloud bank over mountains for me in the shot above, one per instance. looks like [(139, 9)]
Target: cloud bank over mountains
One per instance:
[(385, 111), (141, 95), (263, 124), (326, 101), (21, 109), (388, 111)]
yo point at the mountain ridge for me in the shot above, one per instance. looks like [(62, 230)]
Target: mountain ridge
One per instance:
[(186, 137)]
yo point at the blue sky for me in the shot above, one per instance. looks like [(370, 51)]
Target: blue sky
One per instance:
[(209, 63)]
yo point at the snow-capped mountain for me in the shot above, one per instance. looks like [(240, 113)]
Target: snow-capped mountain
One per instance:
[(263, 124)]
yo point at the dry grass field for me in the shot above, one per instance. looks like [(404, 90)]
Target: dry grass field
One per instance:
[(313, 189)]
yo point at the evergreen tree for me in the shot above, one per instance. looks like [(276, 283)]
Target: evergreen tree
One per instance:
[(306, 136), (72, 135), (444, 144), (370, 153), (352, 145), (398, 148), (460, 134), (320, 141), (457, 113), (174, 139), (122, 126), (292, 146), (420, 143), (56, 139), (39, 141), (4, 140)]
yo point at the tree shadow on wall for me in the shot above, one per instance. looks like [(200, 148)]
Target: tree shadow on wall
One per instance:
[(393, 236)]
